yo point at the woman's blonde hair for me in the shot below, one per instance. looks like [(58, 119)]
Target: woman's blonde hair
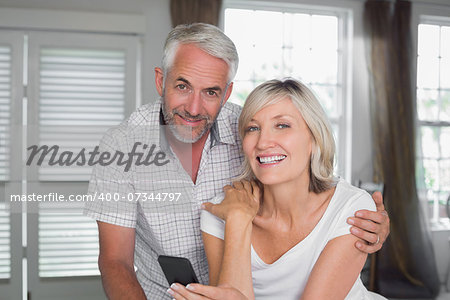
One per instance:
[(323, 150)]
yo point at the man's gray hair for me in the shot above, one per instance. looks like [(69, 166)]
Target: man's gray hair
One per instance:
[(207, 37)]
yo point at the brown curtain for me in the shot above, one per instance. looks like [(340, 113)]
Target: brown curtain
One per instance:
[(193, 11), (406, 265)]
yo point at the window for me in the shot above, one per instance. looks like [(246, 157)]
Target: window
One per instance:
[(292, 42), (433, 112)]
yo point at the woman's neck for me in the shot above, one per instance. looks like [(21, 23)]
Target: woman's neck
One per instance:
[(291, 203)]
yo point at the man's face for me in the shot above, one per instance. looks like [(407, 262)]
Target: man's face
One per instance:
[(194, 90)]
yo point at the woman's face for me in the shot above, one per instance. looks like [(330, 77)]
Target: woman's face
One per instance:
[(278, 144)]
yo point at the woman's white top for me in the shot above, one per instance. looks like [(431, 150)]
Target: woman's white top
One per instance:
[(286, 278)]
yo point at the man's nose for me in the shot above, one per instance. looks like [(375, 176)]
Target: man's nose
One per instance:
[(194, 105)]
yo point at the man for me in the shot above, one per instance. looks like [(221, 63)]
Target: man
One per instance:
[(194, 126)]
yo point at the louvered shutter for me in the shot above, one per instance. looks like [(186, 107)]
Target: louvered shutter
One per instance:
[(5, 117), (86, 84), (82, 93), (5, 109)]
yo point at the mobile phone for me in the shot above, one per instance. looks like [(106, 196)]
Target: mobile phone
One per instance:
[(177, 269)]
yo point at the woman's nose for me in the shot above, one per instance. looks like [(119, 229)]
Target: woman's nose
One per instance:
[(266, 139)]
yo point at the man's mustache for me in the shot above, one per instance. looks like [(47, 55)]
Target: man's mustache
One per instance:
[(187, 115)]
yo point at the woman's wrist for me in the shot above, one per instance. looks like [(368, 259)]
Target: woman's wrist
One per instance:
[(239, 217)]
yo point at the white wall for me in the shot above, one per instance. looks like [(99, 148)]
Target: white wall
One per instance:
[(155, 12)]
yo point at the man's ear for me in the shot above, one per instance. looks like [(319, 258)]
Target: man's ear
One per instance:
[(159, 80), (228, 94)]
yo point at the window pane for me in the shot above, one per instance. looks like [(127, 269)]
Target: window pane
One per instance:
[(241, 89), (427, 72), (445, 41), (246, 54), (324, 66), (445, 73), (431, 174), (301, 35), (445, 105), (445, 142), (269, 28), (427, 104), (303, 65), (269, 65), (444, 174), (428, 41), (239, 34), (324, 33), (328, 98), (430, 136)]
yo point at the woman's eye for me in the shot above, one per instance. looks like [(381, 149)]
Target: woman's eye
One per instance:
[(251, 129), (283, 125)]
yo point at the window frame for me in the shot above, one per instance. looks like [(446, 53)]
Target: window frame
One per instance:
[(436, 13), (434, 218), (344, 76)]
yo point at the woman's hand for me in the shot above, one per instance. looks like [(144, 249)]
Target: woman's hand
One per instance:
[(196, 291), (240, 199)]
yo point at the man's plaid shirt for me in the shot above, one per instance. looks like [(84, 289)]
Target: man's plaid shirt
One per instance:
[(136, 196)]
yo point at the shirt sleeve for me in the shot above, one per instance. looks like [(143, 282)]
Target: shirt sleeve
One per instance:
[(211, 224), (361, 201), (110, 185)]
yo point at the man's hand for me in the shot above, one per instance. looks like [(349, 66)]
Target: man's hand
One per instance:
[(371, 227), (195, 291)]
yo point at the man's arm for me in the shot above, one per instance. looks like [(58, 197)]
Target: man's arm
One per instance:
[(371, 227), (116, 262)]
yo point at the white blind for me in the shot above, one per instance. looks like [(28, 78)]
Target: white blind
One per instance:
[(5, 246), (68, 242), (5, 98), (82, 93)]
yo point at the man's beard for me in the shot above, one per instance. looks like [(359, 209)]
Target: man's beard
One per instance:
[(183, 133)]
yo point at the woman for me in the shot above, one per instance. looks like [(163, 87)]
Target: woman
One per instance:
[(281, 232)]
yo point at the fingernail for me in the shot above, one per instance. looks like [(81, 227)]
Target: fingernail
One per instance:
[(190, 287), (171, 292), (359, 244), (350, 221), (358, 214), (202, 206), (354, 230), (174, 286)]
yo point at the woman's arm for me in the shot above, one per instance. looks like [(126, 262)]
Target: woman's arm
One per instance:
[(336, 270), (229, 261)]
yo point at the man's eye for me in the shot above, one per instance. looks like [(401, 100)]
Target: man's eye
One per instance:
[(211, 93), (283, 125), (181, 86)]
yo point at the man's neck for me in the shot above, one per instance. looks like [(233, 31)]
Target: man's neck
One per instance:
[(189, 154)]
